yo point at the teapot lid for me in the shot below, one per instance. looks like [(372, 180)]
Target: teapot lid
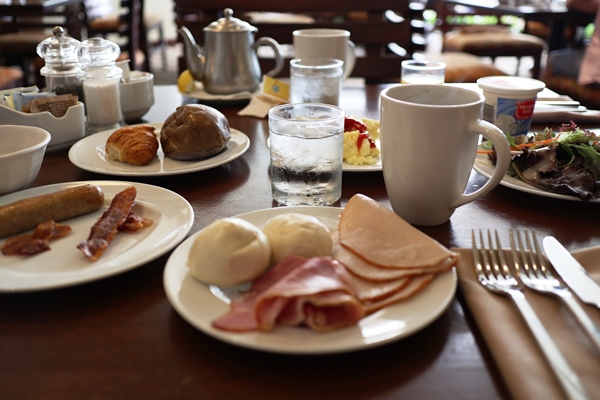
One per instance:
[(229, 24)]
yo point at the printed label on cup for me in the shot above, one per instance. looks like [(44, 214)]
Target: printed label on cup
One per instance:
[(511, 115)]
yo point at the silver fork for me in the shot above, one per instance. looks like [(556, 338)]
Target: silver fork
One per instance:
[(533, 270), (494, 274)]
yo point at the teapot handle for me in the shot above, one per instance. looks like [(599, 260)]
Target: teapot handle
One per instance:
[(267, 41)]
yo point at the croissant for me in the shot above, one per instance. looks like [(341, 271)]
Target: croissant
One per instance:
[(135, 145)]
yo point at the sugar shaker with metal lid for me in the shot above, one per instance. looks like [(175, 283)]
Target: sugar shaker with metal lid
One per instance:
[(100, 80), (61, 69)]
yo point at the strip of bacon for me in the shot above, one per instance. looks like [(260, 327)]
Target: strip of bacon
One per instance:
[(107, 226), (36, 242), (134, 223)]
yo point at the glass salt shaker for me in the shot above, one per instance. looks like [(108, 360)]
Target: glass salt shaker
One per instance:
[(100, 80), (61, 69)]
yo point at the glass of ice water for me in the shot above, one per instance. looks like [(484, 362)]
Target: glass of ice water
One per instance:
[(306, 144), (422, 71), (316, 80)]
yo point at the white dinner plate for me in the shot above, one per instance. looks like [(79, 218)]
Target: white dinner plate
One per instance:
[(198, 305), (358, 168), (64, 265), (89, 154), (485, 167)]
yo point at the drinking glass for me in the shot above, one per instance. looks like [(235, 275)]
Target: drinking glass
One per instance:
[(306, 144)]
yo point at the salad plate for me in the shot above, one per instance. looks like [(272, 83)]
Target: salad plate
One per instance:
[(199, 304), (485, 167), (89, 154), (64, 265)]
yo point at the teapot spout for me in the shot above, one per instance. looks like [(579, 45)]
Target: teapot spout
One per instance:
[(193, 57)]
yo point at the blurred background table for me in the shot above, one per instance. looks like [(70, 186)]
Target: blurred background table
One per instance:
[(554, 14), (119, 338)]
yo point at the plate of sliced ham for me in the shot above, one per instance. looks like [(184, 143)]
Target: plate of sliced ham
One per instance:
[(201, 304)]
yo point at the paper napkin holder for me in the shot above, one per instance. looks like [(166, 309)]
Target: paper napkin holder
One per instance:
[(63, 131)]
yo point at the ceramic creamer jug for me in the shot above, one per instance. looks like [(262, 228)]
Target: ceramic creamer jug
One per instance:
[(229, 63)]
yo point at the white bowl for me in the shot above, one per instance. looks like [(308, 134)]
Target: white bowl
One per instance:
[(137, 95), (22, 150)]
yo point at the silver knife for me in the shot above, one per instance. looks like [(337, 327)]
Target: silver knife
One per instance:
[(572, 272)]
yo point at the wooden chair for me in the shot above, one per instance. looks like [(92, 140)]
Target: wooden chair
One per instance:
[(20, 36), (130, 24), (381, 29), (495, 40), (588, 95)]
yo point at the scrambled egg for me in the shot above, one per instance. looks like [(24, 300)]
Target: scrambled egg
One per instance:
[(372, 127), (365, 155)]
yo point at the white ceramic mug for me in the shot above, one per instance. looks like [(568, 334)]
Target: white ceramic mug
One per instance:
[(429, 139), (325, 43)]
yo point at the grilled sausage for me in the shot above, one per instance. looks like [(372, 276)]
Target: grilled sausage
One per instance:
[(68, 203)]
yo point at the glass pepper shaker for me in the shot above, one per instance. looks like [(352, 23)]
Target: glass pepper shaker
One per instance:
[(100, 79), (61, 69)]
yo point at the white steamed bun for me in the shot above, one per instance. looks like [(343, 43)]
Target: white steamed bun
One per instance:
[(229, 252), (297, 234)]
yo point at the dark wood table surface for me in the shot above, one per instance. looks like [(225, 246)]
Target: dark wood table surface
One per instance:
[(119, 338)]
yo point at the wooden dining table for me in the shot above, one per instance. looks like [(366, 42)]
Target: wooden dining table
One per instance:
[(553, 13), (120, 337)]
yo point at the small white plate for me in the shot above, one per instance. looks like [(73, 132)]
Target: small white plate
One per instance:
[(195, 302), (485, 167), (217, 99), (362, 168), (89, 154), (64, 265)]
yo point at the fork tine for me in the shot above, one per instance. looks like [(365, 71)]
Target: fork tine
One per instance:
[(476, 253), (481, 257), (518, 252), (501, 259), (531, 260), (484, 254), (533, 256), (544, 271)]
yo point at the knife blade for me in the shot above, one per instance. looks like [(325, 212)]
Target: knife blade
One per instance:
[(572, 272)]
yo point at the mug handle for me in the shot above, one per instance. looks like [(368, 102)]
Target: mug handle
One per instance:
[(350, 59), (272, 43), (503, 159)]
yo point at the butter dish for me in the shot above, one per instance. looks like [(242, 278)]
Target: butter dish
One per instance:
[(64, 131)]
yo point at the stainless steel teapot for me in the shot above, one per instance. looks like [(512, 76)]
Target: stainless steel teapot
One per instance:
[(230, 62)]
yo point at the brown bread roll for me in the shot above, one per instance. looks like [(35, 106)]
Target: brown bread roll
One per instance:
[(194, 131), (135, 145)]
